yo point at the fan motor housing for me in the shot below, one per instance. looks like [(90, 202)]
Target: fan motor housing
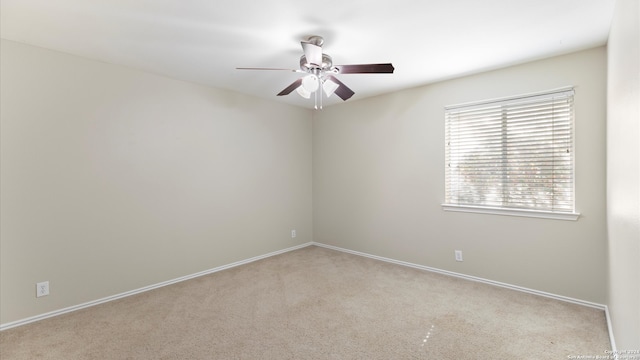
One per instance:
[(327, 63)]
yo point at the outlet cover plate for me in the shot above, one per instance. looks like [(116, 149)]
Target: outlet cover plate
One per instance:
[(458, 255), (42, 289)]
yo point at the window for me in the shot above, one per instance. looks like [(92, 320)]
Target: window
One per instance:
[(512, 156)]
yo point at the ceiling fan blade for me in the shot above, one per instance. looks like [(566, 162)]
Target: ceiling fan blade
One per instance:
[(312, 52), (291, 87), (343, 90), (251, 68), (386, 68)]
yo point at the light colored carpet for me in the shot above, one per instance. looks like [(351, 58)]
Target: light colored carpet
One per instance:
[(316, 303)]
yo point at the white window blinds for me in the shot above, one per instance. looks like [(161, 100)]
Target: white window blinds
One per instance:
[(514, 153)]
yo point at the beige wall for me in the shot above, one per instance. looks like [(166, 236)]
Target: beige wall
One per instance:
[(113, 179), (378, 183), (623, 173)]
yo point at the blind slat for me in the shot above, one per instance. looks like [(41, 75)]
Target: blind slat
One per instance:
[(512, 153)]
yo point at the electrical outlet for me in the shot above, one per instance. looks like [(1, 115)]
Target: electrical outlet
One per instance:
[(293, 233), (458, 255), (42, 289)]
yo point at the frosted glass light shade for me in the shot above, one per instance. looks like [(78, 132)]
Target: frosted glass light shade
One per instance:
[(310, 83), (304, 93), (329, 87)]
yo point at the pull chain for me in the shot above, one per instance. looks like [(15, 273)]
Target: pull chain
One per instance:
[(315, 100)]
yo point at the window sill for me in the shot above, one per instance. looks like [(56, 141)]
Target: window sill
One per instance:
[(511, 212)]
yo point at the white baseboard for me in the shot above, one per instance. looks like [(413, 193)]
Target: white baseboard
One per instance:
[(605, 308), (144, 289), (256, 258), (468, 277)]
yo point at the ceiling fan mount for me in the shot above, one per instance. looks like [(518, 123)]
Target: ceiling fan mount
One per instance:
[(321, 72), (316, 40)]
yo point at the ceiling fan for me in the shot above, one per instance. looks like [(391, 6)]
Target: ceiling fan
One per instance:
[(320, 73)]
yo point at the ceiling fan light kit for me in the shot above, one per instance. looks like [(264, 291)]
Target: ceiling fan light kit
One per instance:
[(320, 73)]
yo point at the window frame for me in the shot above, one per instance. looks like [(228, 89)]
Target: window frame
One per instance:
[(512, 211)]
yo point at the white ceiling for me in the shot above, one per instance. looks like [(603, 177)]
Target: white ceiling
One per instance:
[(203, 41)]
